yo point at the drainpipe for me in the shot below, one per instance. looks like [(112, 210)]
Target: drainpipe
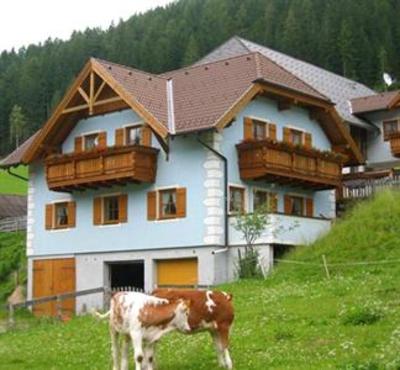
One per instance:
[(226, 220), (16, 175)]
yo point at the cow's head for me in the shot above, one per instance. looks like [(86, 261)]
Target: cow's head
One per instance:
[(181, 318)]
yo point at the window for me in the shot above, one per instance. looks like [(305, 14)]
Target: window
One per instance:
[(260, 200), (111, 209), (91, 141), (168, 206), (236, 199), (297, 208), (390, 127), (259, 130), (133, 135), (61, 215), (296, 137), (61, 219)]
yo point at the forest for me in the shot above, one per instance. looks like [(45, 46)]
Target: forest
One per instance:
[(355, 38)]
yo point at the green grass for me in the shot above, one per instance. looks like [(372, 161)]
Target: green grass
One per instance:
[(295, 319), (12, 185)]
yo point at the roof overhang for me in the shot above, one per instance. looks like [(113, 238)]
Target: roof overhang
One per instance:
[(93, 92)]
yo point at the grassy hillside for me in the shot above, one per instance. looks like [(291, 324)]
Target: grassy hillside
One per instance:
[(295, 319), (12, 258), (12, 185)]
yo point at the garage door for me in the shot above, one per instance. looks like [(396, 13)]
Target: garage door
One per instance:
[(177, 272), (52, 277)]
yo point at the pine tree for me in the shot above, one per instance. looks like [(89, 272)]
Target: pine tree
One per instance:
[(18, 125), (192, 52)]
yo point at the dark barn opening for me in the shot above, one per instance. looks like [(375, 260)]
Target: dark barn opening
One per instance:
[(127, 274)]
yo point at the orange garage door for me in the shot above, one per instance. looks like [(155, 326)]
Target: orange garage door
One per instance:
[(177, 272), (51, 277)]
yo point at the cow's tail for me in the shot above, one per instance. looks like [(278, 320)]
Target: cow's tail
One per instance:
[(101, 316)]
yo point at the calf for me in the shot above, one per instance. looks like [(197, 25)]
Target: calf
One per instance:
[(144, 319), (211, 311)]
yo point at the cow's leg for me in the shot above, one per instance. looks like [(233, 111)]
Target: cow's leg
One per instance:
[(149, 355), (223, 331), (218, 348), (137, 343), (125, 352), (114, 348)]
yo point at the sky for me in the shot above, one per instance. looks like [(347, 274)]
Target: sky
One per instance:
[(24, 22)]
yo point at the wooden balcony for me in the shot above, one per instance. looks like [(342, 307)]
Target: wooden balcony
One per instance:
[(105, 168), (394, 140), (287, 164)]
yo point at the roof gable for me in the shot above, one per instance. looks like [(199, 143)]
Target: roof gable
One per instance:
[(383, 101)]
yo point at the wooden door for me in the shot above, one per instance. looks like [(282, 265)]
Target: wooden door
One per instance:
[(52, 277), (177, 272)]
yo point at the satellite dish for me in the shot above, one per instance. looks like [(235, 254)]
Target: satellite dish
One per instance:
[(388, 79)]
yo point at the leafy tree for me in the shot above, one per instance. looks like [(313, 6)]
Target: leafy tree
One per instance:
[(18, 125)]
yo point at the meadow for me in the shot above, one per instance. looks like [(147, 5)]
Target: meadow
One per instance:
[(297, 318), (12, 185)]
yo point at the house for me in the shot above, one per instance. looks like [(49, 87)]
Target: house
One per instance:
[(136, 178)]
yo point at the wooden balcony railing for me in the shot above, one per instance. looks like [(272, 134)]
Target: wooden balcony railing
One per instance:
[(94, 169), (394, 140), (287, 164)]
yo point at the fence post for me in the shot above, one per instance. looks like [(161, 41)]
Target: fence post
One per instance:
[(11, 321), (107, 297), (326, 267), (59, 307)]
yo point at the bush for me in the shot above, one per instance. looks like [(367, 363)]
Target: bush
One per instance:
[(248, 264)]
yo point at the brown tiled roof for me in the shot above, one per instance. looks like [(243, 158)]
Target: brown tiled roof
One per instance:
[(148, 89), (202, 94), (15, 158), (374, 102), (12, 206)]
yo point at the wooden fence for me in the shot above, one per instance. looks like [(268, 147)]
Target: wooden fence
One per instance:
[(359, 189), (11, 224)]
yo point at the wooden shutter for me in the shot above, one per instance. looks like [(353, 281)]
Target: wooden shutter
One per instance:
[(181, 202), (146, 135), (286, 135), (102, 140), (273, 202), (123, 208), (97, 210), (79, 144), (71, 214), (248, 128), (288, 205), (119, 137), (308, 140), (151, 205), (272, 131), (49, 216), (309, 207)]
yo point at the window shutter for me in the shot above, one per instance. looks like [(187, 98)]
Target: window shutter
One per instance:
[(119, 137), (49, 212), (146, 135), (78, 144), (181, 202), (123, 208), (309, 207), (272, 131), (151, 205), (97, 205), (286, 135), (273, 202), (288, 205), (102, 144), (308, 140), (71, 214), (248, 128)]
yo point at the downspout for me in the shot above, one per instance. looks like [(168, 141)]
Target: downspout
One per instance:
[(16, 175), (226, 220)]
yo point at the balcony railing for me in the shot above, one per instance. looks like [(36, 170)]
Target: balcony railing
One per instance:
[(94, 169), (288, 164), (394, 140)]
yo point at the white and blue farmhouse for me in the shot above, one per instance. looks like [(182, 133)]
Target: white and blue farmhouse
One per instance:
[(136, 178)]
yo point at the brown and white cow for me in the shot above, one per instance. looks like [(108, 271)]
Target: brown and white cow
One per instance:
[(143, 319), (209, 310)]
